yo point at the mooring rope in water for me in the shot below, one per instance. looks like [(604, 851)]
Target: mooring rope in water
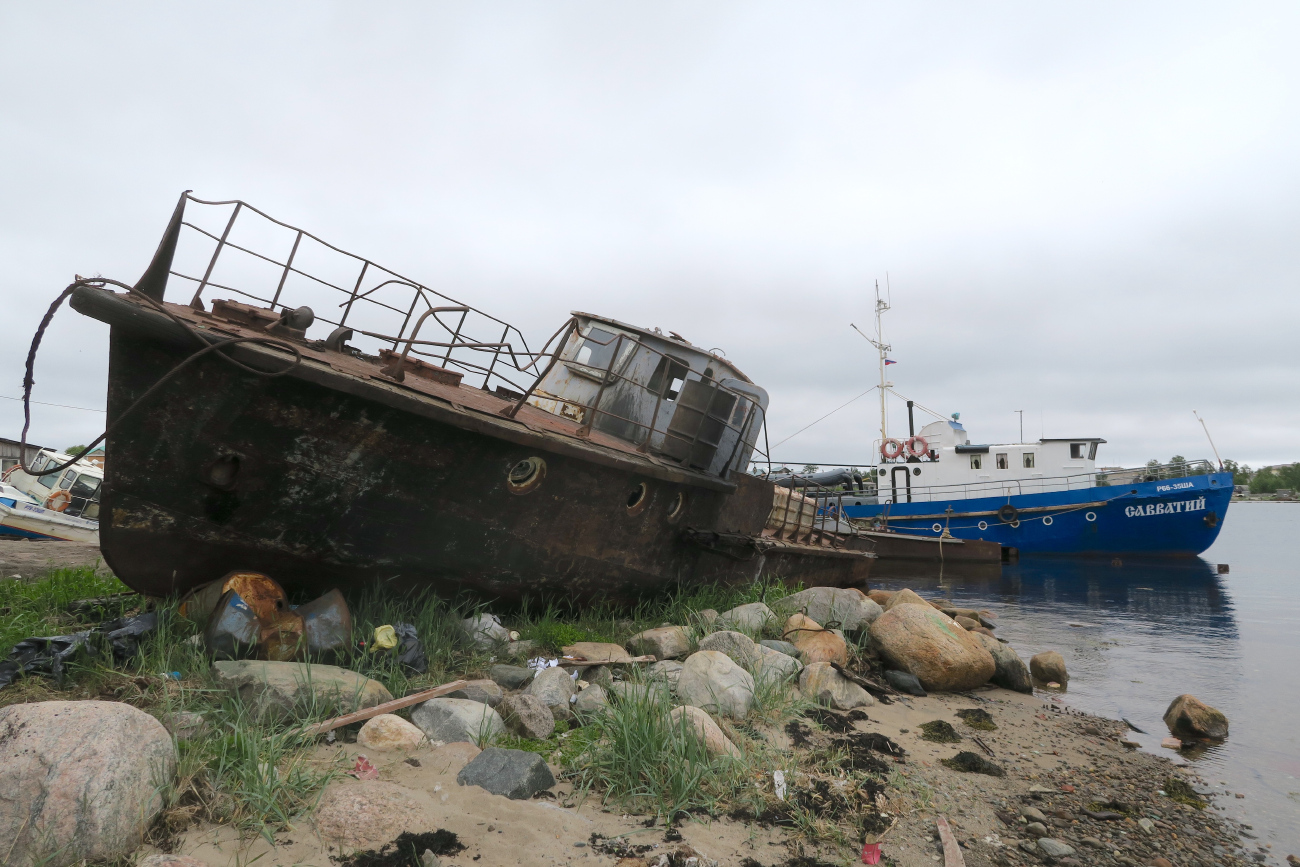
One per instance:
[(99, 283)]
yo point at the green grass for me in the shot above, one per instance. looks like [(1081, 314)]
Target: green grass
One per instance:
[(31, 608)]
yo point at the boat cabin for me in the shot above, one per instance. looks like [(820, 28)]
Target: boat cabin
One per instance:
[(951, 465), (74, 492), (657, 391)]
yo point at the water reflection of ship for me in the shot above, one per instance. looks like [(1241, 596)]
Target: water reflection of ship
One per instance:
[(1157, 592)]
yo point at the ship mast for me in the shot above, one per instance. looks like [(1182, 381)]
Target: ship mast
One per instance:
[(883, 349)]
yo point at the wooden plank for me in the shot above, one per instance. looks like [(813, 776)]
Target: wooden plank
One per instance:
[(387, 707), (951, 851)]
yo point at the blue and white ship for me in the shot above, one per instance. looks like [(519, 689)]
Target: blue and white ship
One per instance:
[(1044, 497)]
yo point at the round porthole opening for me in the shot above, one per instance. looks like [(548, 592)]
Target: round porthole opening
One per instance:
[(882, 472), (636, 499), (916, 471), (938, 528), (1047, 521), (984, 525), (678, 507), (1091, 516), (526, 475)]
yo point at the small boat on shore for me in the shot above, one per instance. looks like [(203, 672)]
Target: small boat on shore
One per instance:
[(400, 435), (60, 506)]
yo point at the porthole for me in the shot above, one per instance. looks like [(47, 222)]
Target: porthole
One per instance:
[(636, 499), (984, 525), (1047, 521), (938, 528), (678, 507), (1091, 516), (916, 471), (882, 472), (1015, 523), (526, 475)]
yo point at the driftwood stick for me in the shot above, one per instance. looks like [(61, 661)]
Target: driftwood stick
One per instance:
[(985, 747), (951, 851), (328, 725), (870, 685)]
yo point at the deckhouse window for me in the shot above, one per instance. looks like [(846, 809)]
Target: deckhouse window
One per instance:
[(1029, 460), (1078, 450), (1003, 463), (668, 377), (1092, 452), (974, 462), (598, 349)]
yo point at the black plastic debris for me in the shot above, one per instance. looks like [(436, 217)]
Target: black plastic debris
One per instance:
[(410, 652), (48, 655)]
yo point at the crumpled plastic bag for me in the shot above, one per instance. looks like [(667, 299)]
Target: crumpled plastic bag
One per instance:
[(410, 652), (48, 655)]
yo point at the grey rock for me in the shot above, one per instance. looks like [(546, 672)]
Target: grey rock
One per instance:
[(1146, 825), (486, 691), (511, 676), (780, 647), (1033, 814), (1055, 848), (824, 685), (591, 699), (853, 610), (600, 675), (451, 720), (1011, 672), (664, 642), (1030, 846), (904, 682), (669, 671), (187, 725), (516, 774), (749, 619), (521, 649), (554, 687), (281, 689), (1049, 667), (428, 859), (79, 780), (526, 716), (773, 665), (485, 631), (1036, 829), (736, 645), (711, 681)]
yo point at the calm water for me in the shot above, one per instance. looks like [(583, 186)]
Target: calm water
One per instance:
[(1136, 635)]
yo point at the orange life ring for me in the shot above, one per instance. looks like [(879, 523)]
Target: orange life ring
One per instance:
[(891, 449), (917, 447), (58, 501), (9, 472)]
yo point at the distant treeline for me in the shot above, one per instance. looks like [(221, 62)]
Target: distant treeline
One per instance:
[(1266, 480)]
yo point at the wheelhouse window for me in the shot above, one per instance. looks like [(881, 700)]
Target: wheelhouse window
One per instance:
[(598, 349), (974, 462), (1092, 452), (668, 377), (85, 497), (1003, 463), (1078, 450), (1029, 460)]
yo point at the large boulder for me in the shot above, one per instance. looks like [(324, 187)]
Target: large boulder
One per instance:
[(485, 631), (749, 619), (1011, 671), (668, 671), (850, 608), (773, 665), (815, 644), (390, 732), (824, 685), (526, 716), (1188, 716), (366, 813), (554, 687), (742, 650), (281, 689), (780, 647), (881, 597), (510, 676), (597, 652), (1048, 667), (488, 692), (711, 681), (927, 643), (705, 729), (516, 774), (79, 780), (457, 719), (665, 642), (905, 597), (591, 700)]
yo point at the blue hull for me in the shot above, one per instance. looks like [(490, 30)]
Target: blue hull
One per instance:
[(1171, 517)]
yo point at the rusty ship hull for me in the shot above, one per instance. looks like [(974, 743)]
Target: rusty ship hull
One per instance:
[(336, 475)]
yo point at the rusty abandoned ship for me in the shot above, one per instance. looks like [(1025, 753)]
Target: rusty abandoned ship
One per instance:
[(388, 432)]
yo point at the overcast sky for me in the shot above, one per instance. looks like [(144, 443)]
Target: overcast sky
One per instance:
[(1085, 211)]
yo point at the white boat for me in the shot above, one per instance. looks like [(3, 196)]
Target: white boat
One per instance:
[(60, 506)]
